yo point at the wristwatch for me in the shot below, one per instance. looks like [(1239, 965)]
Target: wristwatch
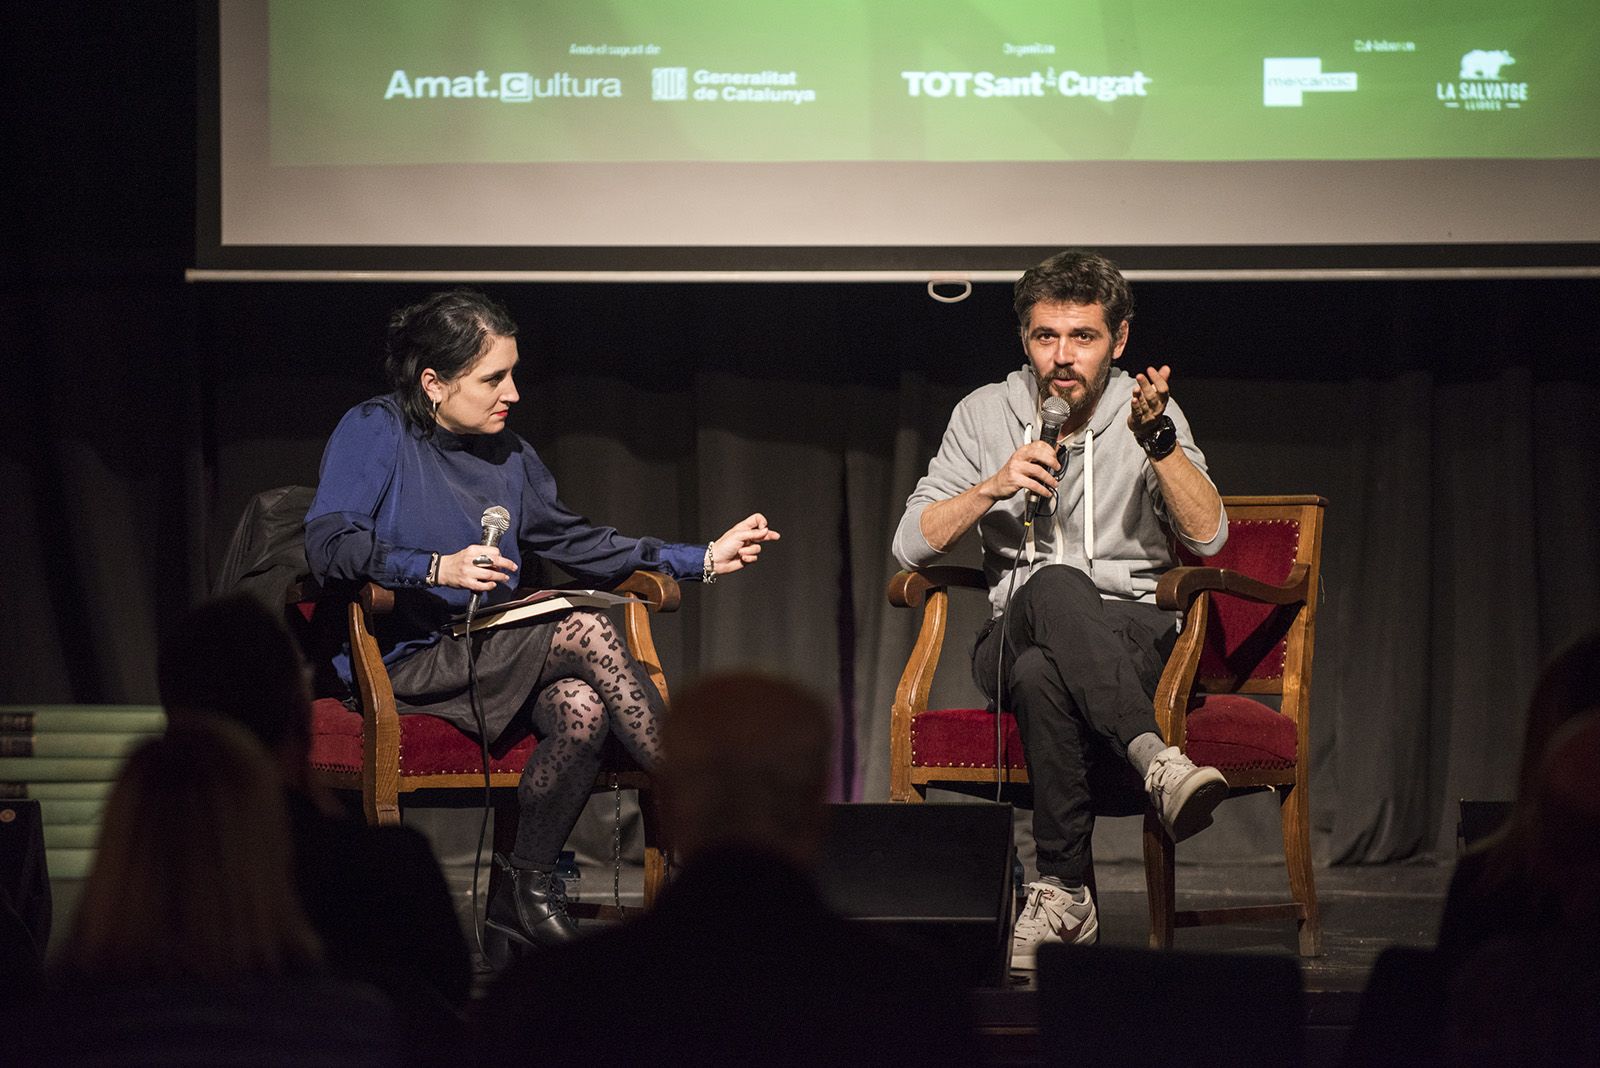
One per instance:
[(1160, 439)]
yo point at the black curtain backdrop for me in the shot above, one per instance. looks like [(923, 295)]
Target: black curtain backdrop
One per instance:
[(1451, 426)]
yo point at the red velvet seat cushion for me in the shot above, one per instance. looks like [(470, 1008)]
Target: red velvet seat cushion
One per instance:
[(1229, 731), (961, 738), (1223, 730), (335, 736), (428, 745)]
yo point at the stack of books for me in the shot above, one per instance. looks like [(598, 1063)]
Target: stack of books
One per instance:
[(66, 757)]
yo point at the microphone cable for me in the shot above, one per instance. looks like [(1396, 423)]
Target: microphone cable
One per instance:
[(495, 522), (473, 698), (1054, 418)]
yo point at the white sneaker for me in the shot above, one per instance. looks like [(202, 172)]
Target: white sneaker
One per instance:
[(1183, 793), (1051, 914)]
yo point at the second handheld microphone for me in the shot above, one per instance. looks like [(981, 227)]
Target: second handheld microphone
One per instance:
[(496, 521)]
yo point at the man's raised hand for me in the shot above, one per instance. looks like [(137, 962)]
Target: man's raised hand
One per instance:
[(1150, 392)]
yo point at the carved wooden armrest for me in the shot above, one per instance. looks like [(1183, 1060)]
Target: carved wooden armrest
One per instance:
[(1179, 587), (928, 589), (908, 589), (376, 600), (661, 592)]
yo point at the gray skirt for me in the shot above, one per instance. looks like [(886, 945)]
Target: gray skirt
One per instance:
[(510, 661)]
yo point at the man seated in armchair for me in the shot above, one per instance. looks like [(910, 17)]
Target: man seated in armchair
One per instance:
[(1076, 532)]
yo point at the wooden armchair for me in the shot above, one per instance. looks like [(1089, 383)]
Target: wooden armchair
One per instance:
[(1249, 630), (392, 760)]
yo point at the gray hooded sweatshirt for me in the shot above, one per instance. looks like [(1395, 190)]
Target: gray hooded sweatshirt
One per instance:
[(1111, 522)]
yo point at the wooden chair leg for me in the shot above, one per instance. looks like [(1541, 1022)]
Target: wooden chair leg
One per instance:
[(1159, 880), (380, 797), (380, 814), (655, 852), (1295, 813), (900, 788)]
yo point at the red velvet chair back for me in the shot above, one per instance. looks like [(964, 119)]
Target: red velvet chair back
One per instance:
[(1245, 639)]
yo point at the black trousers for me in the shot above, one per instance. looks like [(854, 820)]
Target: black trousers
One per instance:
[(1080, 673)]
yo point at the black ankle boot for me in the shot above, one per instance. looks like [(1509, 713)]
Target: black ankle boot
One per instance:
[(529, 908)]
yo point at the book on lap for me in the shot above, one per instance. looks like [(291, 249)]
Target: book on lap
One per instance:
[(537, 605)]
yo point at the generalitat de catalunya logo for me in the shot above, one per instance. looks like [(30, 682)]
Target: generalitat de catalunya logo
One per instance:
[(1481, 84), (1284, 82)]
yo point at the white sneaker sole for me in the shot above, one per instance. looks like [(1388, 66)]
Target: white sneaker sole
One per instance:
[(1087, 935), (1200, 794)]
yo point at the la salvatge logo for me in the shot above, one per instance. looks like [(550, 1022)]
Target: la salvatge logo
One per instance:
[(1481, 85)]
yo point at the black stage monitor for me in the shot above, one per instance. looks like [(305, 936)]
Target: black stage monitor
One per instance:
[(1116, 1005), (937, 876)]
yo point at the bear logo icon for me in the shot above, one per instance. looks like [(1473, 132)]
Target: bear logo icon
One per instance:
[(1481, 64)]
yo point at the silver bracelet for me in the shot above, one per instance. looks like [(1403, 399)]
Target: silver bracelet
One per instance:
[(708, 573), (433, 570)]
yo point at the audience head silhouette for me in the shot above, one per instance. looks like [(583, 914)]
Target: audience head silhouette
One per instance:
[(234, 658), (193, 875), (742, 958), (1566, 846), (1528, 993), (746, 764), (1569, 684)]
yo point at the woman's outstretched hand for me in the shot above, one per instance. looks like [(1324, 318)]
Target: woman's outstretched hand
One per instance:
[(741, 545)]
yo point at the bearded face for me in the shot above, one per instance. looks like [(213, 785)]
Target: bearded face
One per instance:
[(1071, 349)]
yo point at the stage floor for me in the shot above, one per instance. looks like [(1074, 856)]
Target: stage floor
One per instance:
[(1364, 910)]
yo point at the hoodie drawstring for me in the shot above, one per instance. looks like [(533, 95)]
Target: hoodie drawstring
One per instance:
[(1088, 497), (1059, 550)]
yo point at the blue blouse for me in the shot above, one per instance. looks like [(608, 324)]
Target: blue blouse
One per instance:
[(388, 498)]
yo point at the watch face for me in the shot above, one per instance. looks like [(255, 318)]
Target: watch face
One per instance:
[(1161, 441)]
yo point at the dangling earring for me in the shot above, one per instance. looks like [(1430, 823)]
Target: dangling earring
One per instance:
[(435, 411)]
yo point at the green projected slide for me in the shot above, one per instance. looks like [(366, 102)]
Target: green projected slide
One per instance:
[(355, 82)]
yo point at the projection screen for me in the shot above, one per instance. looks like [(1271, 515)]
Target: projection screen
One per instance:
[(897, 138)]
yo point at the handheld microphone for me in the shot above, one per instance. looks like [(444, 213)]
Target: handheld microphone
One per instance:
[(496, 521), (1055, 412)]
